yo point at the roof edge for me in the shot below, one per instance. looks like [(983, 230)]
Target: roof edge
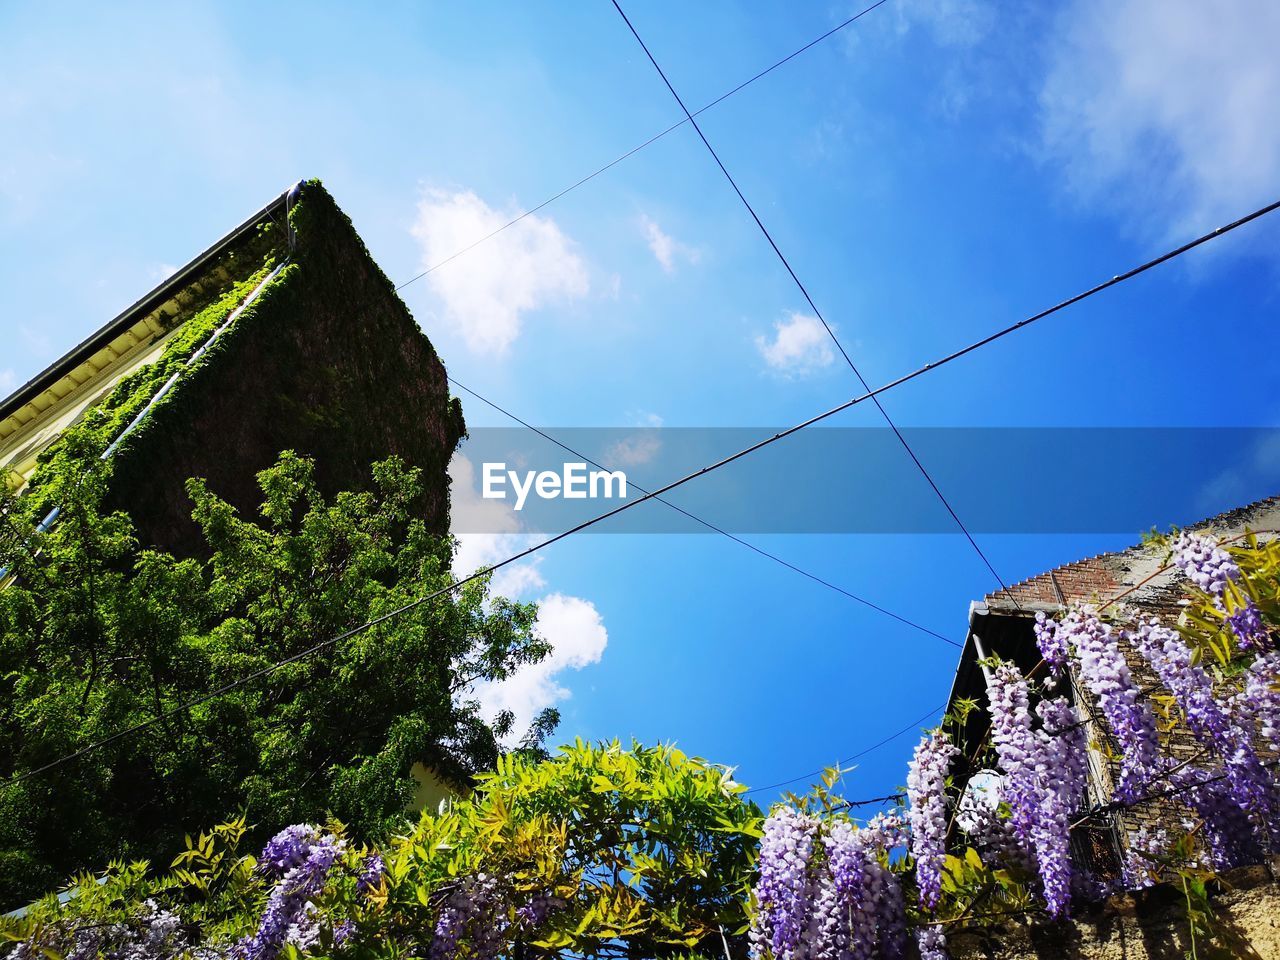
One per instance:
[(164, 291)]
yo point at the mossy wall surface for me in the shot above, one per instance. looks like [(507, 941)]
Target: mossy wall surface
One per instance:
[(327, 361)]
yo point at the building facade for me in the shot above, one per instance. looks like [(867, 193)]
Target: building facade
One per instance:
[(1136, 584), (282, 335)]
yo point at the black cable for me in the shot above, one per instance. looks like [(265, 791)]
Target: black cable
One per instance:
[(861, 753), (813, 306), (711, 526), (1117, 805), (634, 150), (725, 461)]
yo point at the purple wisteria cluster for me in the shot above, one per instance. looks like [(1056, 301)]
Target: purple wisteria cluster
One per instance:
[(299, 859), (926, 795), (538, 909), (990, 833), (782, 890), (1044, 777), (372, 870), (931, 942), (824, 891), (472, 912), (1053, 643), (1261, 699), (156, 935), (1060, 774), (1103, 670), (1016, 747), (1211, 568), (1204, 562), (1228, 833), (1247, 780), (474, 917)]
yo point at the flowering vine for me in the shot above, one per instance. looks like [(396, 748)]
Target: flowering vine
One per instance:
[(1104, 671), (926, 795)]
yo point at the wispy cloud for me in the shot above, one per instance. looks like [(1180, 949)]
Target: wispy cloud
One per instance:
[(8, 382), (635, 450), (487, 292), (951, 23), (667, 250), (799, 346), (1165, 107), (1255, 475)]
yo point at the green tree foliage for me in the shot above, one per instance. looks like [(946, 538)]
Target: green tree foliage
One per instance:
[(598, 852), (97, 635)]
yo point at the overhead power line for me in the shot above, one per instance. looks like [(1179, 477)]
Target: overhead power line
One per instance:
[(636, 149), (812, 305), (914, 724), (711, 526), (666, 488)]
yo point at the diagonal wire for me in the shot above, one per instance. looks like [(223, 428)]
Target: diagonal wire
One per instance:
[(711, 526), (636, 149), (813, 306), (861, 753)]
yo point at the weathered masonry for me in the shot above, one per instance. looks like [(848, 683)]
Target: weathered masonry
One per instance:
[(282, 335)]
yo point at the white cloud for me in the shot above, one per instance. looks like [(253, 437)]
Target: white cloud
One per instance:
[(572, 625), (487, 291), (488, 531), (800, 345), (578, 637), (1166, 107), (664, 247), (8, 382)]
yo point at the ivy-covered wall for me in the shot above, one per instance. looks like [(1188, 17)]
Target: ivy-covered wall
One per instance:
[(327, 361)]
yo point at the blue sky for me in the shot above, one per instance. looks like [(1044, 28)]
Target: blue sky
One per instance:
[(933, 172)]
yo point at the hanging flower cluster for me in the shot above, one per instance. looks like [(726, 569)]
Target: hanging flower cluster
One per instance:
[(1229, 836), (477, 912), (1060, 773), (157, 935), (1204, 562), (298, 858), (926, 796), (1261, 699), (1209, 567), (473, 911), (782, 892), (824, 891), (1044, 777), (990, 833), (1053, 643), (1248, 782), (1104, 671)]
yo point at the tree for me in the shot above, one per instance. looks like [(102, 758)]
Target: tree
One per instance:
[(98, 634)]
